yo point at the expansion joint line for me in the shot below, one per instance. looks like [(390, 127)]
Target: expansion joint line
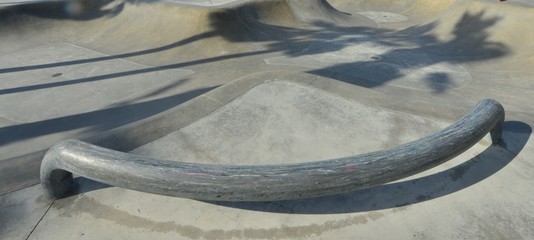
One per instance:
[(41, 219)]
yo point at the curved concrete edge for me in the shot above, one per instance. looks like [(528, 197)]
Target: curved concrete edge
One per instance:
[(265, 182)]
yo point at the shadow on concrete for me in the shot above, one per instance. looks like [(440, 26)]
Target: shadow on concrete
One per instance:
[(412, 48), (111, 57), (79, 10), (290, 39), (23, 170), (470, 44), (409, 192), (84, 185), (126, 73), (99, 120)]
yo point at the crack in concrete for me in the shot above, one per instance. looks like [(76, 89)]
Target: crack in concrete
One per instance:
[(38, 222)]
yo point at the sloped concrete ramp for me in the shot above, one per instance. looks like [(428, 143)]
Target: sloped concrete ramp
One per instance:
[(264, 82)]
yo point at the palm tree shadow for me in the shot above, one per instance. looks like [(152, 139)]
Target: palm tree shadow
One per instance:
[(470, 43), (398, 194)]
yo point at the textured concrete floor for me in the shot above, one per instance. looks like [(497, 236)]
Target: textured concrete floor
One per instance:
[(267, 82)]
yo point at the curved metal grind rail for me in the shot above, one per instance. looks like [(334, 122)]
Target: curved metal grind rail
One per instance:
[(265, 182)]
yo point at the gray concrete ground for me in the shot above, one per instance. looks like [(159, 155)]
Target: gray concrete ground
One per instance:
[(263, 82)]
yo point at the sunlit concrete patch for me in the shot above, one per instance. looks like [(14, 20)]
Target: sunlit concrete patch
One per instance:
[(384, 17), (62, 79), (378, 64), (284, 122)]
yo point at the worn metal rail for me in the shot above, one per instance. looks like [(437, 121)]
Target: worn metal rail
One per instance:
[(265, 182)]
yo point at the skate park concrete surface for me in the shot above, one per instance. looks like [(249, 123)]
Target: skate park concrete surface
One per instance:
[(267, 82)]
